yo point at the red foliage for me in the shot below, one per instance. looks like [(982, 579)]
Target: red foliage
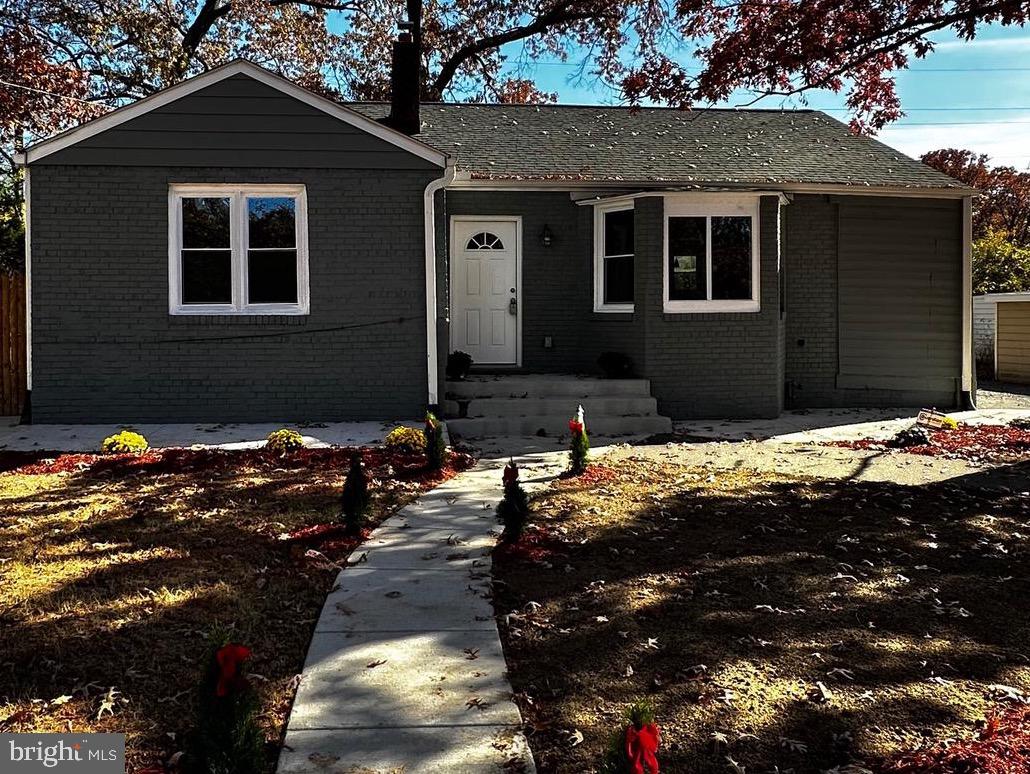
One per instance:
[(1002, 747), (536, 544), (1005, 203), (402, 466), (974, 443)]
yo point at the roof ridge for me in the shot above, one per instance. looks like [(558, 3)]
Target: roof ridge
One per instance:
[(576, 106)]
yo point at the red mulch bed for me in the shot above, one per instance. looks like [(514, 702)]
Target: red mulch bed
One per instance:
[(973, 443), (379, 461), (1002, 747)]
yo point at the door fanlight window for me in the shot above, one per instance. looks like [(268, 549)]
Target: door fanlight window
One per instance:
[(484, 240)]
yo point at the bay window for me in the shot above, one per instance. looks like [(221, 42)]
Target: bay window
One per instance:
[(711, 254), (238, 249), (613, 258)]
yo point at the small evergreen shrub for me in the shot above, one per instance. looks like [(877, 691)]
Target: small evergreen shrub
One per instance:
[(579, 447), (615, 365), (458, 365), (633, 748), (513, 510), (227, 738), (284, 440), (916, 435), (355, 499), (409, 440), (124, 442), (436, 445)]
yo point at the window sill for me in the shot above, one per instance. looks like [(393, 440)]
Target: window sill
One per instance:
[(710, 307), (225, 311), (614, 309)]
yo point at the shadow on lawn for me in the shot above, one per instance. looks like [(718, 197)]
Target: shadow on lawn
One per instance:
[(115, 579), (905, 602)]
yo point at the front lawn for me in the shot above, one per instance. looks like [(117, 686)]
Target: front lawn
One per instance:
[(115, 570), (776, 623)]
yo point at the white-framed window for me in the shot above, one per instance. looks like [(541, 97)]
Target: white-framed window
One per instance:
[(237, 249), (613, 258), (711, 259)]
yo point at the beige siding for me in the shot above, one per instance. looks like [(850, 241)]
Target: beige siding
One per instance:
[(1013, 347)]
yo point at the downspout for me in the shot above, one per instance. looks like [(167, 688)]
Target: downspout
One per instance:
[(432, 357), (22, 159), (968, 397)]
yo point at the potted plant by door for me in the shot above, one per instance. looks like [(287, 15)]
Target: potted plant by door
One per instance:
[(458, 365)]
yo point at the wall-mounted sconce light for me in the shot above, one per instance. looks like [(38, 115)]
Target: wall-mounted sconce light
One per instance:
[(546, 237)]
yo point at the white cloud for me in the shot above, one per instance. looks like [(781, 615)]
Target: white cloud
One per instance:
[(1005, 143), (983, 43)]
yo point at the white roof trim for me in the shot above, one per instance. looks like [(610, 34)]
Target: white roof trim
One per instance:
[(239, 67), (1015, 295)]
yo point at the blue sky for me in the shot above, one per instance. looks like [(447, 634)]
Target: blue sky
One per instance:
[(967, 95)]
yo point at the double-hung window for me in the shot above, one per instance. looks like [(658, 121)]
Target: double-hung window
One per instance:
[(238, 249), (613, 258), (711, 254)]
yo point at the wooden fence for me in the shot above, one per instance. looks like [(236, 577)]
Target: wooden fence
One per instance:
[(12, 343)]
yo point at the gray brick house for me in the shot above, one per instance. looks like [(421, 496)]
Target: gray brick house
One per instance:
[(236, 248)]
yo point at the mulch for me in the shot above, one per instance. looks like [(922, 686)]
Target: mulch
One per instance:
[(972, 443)]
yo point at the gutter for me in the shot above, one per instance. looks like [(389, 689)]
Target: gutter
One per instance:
[(432, 350)]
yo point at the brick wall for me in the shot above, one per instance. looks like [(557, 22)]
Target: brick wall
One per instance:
[(105, 348), (710, 365)]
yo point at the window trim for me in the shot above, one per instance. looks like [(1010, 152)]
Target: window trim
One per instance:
[(600, 211), (239, 237), (710, 206)]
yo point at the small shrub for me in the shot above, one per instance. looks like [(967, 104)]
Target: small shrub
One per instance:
[(513, 510), (436, 444), (125, 442), (227, 739), (458, 365), (615, 365), (355, 499), (284, 440), (1023, 423), (634, 747), (916, 435), (579, 447), (409, 440)]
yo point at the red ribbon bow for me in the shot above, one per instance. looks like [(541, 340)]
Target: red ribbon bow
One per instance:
[(229, 657), (511, 473), (641, 748), (575, 426)]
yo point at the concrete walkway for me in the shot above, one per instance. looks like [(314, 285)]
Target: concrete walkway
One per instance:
[(405, 672), (820, 425)]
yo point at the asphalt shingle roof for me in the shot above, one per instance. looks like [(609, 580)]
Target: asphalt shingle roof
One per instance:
[(655, 145)]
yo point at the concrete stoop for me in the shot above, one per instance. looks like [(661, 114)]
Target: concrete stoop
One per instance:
[(541, 404)]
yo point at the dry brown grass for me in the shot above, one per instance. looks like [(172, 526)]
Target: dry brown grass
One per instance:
[(113, 578), (755, 588)]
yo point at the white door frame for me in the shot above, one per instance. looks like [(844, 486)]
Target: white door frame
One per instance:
[(517, 220)]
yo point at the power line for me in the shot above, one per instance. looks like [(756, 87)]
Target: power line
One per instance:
[(46, 93)]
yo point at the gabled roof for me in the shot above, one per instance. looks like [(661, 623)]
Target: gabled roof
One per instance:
[(237, 67), (663, 145)]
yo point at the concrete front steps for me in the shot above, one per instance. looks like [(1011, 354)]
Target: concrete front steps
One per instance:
[(526, 404)]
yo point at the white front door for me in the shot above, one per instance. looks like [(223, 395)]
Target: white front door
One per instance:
[(485, 282)]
